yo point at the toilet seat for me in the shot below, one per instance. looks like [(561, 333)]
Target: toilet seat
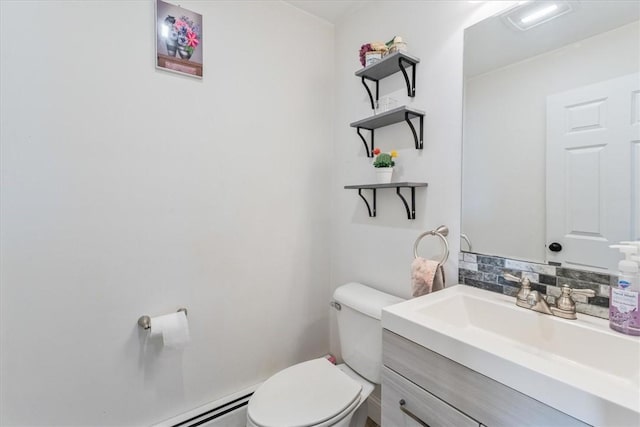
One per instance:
[(313, 393)]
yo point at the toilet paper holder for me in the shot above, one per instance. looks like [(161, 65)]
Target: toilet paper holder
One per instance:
[(145, 321)]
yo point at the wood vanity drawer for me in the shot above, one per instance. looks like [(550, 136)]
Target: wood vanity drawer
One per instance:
[(478, 396), (428, 408)]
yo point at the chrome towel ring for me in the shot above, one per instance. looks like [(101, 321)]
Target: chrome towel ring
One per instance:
[(466, 239), (440, 232)]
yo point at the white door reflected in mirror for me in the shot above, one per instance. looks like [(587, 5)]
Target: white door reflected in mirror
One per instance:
[(592, 132)]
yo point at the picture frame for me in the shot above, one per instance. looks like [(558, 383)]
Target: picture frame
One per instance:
[(178, 39)]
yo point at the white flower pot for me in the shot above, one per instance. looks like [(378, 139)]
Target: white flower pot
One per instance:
[(383, 175)]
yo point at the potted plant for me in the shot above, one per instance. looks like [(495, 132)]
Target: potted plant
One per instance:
[(384, 164)]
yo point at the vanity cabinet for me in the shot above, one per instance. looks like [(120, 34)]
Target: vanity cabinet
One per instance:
[(399, 393), (441, 392)]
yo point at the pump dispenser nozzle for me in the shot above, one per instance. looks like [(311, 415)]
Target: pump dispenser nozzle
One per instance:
[(627, 265), (635, 244), (627, 250)]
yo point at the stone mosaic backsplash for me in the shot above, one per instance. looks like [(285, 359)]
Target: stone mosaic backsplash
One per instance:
[(485, 272)]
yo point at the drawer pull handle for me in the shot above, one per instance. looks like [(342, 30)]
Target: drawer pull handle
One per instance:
[(411, 414)]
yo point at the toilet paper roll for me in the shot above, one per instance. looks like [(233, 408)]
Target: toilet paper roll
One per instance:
[(173, 328)]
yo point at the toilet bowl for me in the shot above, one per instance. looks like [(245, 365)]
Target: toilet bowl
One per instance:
[(317, 393), (313, 393)]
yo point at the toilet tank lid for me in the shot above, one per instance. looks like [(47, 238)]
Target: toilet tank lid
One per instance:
[(364, 299)]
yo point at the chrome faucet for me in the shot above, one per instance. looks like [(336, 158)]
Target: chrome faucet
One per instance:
[(526, 298), (537, 303), (564, 307)]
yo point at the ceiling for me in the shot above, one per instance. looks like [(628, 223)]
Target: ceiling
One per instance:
[(329, 10), (493, 43)]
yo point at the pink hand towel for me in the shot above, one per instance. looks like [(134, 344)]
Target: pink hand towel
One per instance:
[(426, 276)]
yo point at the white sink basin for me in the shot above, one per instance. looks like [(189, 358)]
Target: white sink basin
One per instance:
[(580, 367)]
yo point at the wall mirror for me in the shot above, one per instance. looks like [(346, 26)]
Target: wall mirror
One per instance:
[(551, 138)]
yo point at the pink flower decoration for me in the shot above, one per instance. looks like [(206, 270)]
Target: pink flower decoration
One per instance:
[(192, 39), (179, 23)]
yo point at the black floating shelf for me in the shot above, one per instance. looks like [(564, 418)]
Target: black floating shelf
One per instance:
[(390, 64), (387, 118), (411, 211)]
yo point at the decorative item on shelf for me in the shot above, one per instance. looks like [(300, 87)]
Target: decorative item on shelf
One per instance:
[(384, 164), (363, 53), (370, 53), (385, 104), (372, 57), (396, 44)]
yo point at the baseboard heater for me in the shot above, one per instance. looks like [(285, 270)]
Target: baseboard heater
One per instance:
[(219, 413), (215, 413)]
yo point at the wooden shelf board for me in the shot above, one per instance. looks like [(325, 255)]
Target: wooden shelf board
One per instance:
[(390, 185), (386, 66), (387, 118)]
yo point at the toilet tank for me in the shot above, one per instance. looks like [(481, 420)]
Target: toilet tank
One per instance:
[(360, 329)]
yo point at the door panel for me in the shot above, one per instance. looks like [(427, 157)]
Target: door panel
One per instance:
[(592, 187)]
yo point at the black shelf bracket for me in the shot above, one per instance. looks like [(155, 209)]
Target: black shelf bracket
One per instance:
[(396, 115), (372, 213), (371, 207), (387, 66), (366, 86), (418, 141), (366, 144), (411, 213), (411, 86)]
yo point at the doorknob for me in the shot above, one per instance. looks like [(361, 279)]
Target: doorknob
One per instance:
[(555, 247)]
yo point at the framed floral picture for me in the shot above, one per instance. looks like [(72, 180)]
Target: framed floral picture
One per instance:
[(178, 39)]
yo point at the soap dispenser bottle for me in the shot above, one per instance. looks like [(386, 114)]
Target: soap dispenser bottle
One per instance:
[(624, 299)]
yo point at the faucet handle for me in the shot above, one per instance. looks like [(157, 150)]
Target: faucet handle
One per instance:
[(566, 307), (523, 292), (567, 291), (579, 291), (510, 277)]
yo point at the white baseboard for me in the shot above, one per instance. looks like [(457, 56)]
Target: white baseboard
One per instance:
[(230, 411)]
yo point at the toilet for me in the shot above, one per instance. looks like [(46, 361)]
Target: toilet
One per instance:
[(317, 393)]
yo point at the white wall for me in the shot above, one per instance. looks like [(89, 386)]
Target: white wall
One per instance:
[(378, 251), (127, 190), (505, 134)]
